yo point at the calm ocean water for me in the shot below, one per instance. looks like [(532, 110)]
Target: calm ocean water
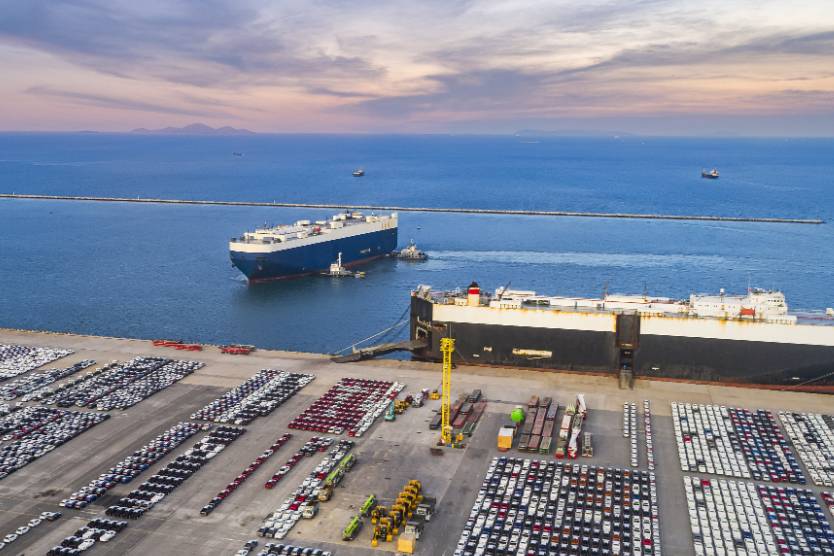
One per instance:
[(149, 271)]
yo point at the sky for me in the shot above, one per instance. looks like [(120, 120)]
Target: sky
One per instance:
[(655, 67)]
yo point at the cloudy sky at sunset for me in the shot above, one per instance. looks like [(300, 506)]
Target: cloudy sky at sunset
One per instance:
[(741, 67)]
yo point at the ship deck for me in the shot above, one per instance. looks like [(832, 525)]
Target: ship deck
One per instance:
[(804, 318), (388, 455)]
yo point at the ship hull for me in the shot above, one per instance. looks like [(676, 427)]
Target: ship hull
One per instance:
[(315, 258), (729, 361)]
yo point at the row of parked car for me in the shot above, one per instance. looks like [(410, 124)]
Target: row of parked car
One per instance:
[(8, 539), (122, 385), (241, 478), (812, 435), (22, 420), (351, 405), (176, 472), (538, 507), (733, 442), (315, 444), (50, 393), (145, 387), (28, 383), (767, 451), (630, 430), (130, 467), (279, 522), (742, 518), (796, 519), (257, 397), (34, 431), (16, 359), (97, 530), (271, 549), (647, 422)]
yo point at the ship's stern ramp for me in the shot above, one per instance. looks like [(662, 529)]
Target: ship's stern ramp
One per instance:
[(628, 343)]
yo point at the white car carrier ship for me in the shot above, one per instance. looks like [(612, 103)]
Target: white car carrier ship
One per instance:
[(310, 247)]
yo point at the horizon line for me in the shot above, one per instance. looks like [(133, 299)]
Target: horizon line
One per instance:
[(544, 134)]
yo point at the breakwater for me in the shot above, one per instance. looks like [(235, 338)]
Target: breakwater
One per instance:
[(393, 208)]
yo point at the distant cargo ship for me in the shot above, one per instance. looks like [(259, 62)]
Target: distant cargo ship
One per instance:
[(710, 174), (305, 247), (358, 173), (750, 339)]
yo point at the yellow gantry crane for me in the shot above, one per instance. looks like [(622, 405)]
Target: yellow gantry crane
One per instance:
[(447, 347)]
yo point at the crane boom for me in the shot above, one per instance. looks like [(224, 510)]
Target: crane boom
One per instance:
[(447, 347)]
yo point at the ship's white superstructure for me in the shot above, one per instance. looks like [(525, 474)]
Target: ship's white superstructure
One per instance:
[(756, 304)]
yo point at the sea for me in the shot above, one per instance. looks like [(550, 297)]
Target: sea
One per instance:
[(151, 270)]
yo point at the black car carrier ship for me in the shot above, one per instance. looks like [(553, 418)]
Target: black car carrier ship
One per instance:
[(745, 339)]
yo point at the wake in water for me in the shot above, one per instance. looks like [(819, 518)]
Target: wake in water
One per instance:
[(589, 259)]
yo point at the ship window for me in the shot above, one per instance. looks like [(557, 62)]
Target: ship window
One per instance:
[(488, 349)]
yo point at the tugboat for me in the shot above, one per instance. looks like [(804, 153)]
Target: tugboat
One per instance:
[(710, 175), (358, 173), (339, 271), (411, 253)]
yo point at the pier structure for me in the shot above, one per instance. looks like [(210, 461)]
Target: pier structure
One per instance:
[(449, 210)]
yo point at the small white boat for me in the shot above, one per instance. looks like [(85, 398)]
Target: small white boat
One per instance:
[(339, 271)]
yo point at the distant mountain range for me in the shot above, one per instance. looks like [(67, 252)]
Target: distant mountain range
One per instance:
[(571, 133), (194, 129)]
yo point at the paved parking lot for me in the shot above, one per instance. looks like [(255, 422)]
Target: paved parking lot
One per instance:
[(390, 454)]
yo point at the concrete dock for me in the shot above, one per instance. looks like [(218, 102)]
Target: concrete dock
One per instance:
[(394, 208), (388, 455)]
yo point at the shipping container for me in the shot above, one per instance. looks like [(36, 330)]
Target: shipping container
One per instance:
[(505, 438)]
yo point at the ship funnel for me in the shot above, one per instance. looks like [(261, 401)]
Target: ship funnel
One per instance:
[(473, 297)]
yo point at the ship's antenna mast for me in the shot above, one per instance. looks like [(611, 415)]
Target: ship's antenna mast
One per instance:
[(504, 290), (604, 290)]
